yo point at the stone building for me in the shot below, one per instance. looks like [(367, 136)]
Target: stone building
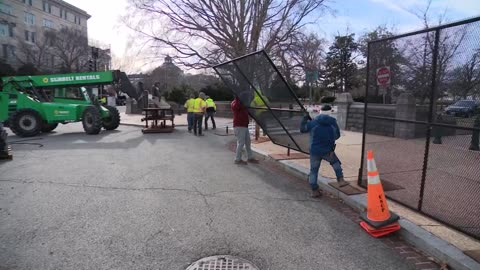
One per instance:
[(23, 24)]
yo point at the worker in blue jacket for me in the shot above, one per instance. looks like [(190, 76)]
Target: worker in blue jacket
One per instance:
[(324, 132)]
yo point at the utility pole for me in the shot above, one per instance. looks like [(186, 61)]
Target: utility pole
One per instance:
[(311, 75)]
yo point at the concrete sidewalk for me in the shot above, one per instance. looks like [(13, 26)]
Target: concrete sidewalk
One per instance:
[(443, 243)]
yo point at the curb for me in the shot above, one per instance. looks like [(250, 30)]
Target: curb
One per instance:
[(438, 248)]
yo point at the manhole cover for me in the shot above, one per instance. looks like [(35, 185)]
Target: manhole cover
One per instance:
[(222, 263)]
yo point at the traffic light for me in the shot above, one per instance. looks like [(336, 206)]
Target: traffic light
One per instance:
[(90, 65)]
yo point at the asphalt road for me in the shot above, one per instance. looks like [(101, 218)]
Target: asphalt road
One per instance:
[(123, 200)]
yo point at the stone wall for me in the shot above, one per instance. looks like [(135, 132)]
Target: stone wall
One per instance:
[(355, 117), (374, 126), (223, 109)]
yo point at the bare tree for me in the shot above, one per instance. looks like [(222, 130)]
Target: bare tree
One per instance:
[(70, 46), (206, 32), (419, 49), (306, 52), (34, 48), (464, 80)]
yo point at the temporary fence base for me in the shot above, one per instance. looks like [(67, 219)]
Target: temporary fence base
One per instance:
[(380, 231)]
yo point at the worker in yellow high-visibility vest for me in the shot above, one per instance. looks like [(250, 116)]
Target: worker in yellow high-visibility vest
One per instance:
[(258, 103), (199, 107), (190, 115), (210, 112)]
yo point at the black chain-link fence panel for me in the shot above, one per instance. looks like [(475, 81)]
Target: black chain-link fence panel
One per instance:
[(423, 124), (270, 101)]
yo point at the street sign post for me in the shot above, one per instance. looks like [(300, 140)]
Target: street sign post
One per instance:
[(311, 76)]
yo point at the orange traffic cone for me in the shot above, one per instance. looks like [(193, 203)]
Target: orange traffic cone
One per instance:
[(378, 220)]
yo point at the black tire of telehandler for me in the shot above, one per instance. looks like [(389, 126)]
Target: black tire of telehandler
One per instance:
[(26, 123), (113, 121), (92, 120), (49, 127)]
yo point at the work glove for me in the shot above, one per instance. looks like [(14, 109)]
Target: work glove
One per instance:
[(306, 116)]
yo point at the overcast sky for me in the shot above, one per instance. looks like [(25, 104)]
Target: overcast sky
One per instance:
[(356, 15)]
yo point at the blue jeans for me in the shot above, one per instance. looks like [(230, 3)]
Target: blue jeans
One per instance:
[(190, 117), (243, 139), (315, 166)]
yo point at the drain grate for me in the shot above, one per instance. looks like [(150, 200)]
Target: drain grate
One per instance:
[(223, 262)]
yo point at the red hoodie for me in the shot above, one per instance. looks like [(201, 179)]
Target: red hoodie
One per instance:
[(240, 113)]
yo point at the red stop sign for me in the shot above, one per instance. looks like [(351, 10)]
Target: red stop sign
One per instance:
[(383, 76)]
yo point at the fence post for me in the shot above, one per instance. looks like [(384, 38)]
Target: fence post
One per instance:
[(343, 103), (437, 131), (406, 109), (474, 144), (430, 117)]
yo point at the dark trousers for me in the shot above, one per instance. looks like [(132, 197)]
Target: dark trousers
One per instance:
[(197, 123), (190, 119), (210, 115)]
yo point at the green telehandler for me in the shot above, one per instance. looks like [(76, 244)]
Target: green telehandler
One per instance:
[(33, 104)]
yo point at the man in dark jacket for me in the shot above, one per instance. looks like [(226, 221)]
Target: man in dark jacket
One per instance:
[(240, 124), (324, 132)]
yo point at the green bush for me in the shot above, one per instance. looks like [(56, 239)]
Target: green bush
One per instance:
[(27, 69), (6, 69), (218, 92), (177, 95), (359, 99), (328, 99)]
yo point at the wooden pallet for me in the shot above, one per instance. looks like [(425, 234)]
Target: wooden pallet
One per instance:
[(8, 155)]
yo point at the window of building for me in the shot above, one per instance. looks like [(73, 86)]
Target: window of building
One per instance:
[(29, 18), (8, 51), (6, 9), (27, 1), (47, 7), (10, 30), (48, 23), (30, 36), (76, 19), (4, 51), (63, 13), (4, 32)]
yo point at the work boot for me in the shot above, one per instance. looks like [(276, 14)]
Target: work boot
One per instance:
[(316, 193), (240, 162), (342, 182)]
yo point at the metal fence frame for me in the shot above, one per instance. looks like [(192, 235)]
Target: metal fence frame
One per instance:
[(245, 77), (429, 124)]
